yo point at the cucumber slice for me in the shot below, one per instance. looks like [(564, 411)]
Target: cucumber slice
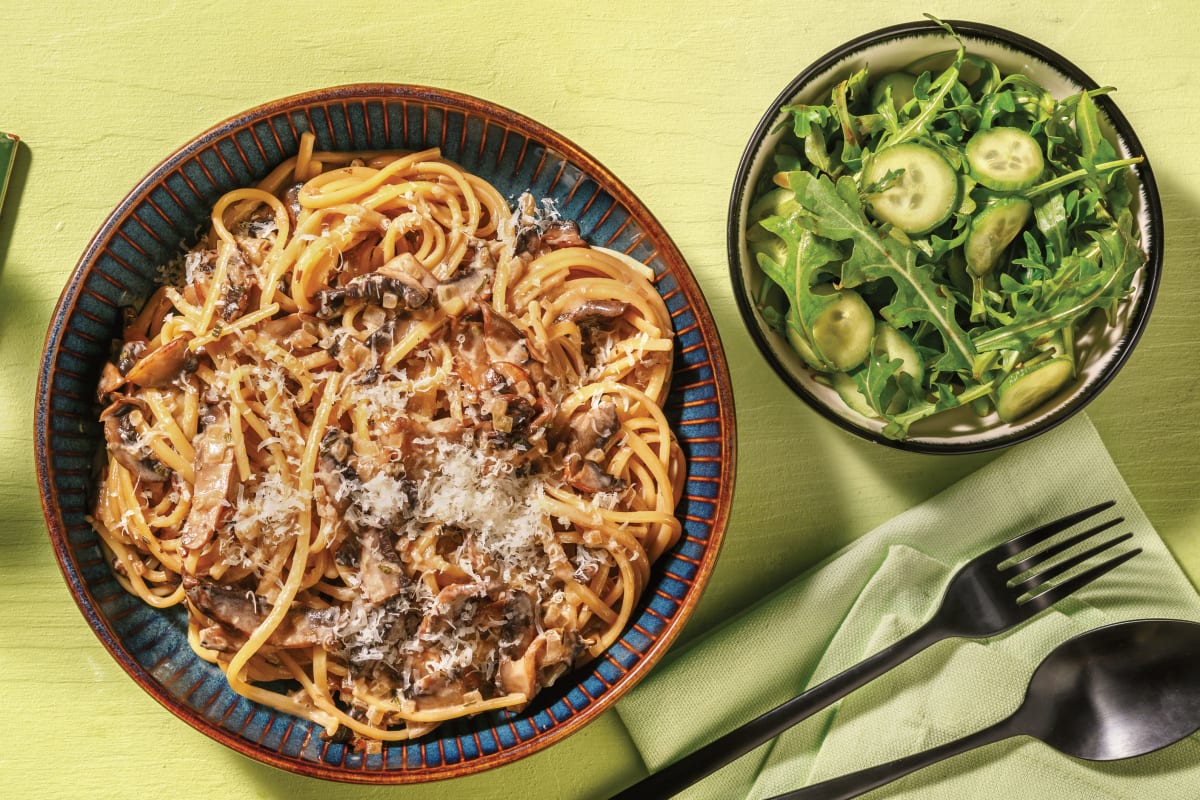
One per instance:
[(992, 230), (901, 84), (801, 346), (898, 347), (1005, 159), (935, 63), (842, 334), (779, 202), (771, 246), (925, 194), (1029, 387), (847, 389)]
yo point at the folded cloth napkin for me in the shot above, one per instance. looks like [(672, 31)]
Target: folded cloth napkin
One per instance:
[(883, 586)]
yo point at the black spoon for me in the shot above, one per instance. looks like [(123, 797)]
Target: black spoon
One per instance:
[(1115, 692)]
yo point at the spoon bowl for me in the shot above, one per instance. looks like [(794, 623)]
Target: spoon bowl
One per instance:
[(1115, 692)]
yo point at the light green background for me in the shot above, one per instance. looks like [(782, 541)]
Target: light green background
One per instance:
[(665, 95)]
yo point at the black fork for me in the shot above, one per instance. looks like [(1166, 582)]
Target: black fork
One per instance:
[(990, 594)]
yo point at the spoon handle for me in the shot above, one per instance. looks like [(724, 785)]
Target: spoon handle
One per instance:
[(739, 741), (865, 780)]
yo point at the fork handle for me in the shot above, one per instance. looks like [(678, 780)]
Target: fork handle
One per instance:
[(739, 741), (856, 783)]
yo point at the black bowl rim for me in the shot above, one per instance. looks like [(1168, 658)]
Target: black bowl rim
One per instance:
[(1151, 271), (554, 141)]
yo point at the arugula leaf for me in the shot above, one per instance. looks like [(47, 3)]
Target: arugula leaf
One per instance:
[(837, 214), (1099, 277), (807, 255)]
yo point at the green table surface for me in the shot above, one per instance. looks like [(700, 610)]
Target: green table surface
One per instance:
[(665, 95)]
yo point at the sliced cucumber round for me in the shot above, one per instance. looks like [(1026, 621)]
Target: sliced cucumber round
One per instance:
[(771, 246), (779, 202), (843, 332), (1005, 159), (993, 229), (936, 63), (1029, 387), (923, 196), (897, 347), (901, 84), (801, 346), (847, 389)]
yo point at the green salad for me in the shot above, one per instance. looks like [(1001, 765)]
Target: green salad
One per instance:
[(935, 237)]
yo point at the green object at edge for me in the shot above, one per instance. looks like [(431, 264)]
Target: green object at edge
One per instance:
[(8, 156)]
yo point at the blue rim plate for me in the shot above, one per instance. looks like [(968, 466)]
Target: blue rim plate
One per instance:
[(164, 213)]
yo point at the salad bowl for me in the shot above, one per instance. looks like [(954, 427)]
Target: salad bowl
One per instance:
[(949, 362)]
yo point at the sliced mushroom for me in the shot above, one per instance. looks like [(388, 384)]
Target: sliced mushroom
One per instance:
[(241, 611), (131, 351), (592, 430), (111, 380), (330, 303), (291, 200), (503, 340), (214, 473), (543, 660), (562, 234), (340, 479), (554, 236), (388, 291), (380, 573), (590, 310), (449, 606), (122, 439), (161, 366), (590, 477), (456, 296), (218, 638), (148, 321)]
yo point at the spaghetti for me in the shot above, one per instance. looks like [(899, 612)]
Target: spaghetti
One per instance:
[(398, 447)]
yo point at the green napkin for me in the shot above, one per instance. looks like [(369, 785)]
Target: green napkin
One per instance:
[(883, 586)]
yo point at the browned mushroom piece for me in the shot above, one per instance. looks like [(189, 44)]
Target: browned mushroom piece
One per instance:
[(562, 234), (129, 354), (291, 201), (146, 324), (241, 611), (590, 477), (547, 656), (537, 241), (449, 606), (111, 380), (456, 296), (592, 430), (214, 479), (162, 365), (121, 436), (388, 291), (380, 572), (503, 340), (589, 310)]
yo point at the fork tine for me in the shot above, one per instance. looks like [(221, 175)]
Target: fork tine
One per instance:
[(1023, 566), (1041, 533), (1069, 563), (1052, 596)]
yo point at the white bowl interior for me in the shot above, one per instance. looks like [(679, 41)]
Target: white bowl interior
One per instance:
[(1098, 345)]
